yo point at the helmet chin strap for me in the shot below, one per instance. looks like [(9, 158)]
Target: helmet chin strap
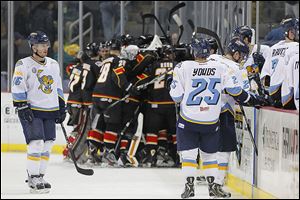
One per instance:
[(36, 53)]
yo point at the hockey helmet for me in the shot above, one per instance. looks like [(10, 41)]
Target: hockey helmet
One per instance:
[(291, 24), (242, 32), (38, 37), (129, 52), (213, 44), (200, 47), (92, 49)]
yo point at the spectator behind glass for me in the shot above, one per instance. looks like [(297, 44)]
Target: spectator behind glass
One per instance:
[(17, 43), (22, 18), (110, 16), (68, 59), (44, 18)]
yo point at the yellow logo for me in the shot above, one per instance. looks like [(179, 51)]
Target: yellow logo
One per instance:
[(45, 82)]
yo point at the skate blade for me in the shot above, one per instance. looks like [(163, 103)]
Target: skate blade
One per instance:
[(36, 191)]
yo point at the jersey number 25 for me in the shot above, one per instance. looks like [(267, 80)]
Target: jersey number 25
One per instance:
[(201, 85)]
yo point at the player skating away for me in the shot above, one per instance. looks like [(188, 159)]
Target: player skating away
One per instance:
[(197, 85), (276, 59), (38, 95)]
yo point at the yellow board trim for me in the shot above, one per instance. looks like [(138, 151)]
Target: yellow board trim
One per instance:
[(246, 189), (186, 164), (56, 149)]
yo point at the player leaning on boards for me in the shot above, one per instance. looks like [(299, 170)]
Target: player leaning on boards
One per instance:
[(197, 86), (38, 95)]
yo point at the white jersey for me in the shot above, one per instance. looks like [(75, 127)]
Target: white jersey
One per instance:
[(198, 86), (37, 84), (290, 85), (228, 101), (264, 50), (276, 58)]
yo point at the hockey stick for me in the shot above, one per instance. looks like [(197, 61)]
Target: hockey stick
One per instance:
[(149, 15), (214, 35), (180, 25), (136, 111), (158, 78), (172, 11), (249, 130), (87, 172)]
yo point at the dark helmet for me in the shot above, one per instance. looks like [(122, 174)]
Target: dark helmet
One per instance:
[(114, 44), (92, 49), (127, 39), (104, 45), (200, 47), (242, 32), (237, 45), (213, 44), (38, 37), (291, 24)]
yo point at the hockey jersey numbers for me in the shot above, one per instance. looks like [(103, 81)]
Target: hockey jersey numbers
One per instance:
[(191, 101)]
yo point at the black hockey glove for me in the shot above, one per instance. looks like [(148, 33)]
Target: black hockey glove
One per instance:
[(62, 117), (132, 90), (258, 101), (25, 113)]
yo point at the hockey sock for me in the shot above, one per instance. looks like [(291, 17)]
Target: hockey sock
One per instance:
[(223, 159), (151, 142), (210, 164), (189, 163), (34, 151), (162, 138), (45, 156), (110, 139), (96, 137)]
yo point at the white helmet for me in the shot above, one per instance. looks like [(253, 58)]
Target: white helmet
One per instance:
[(129, 52)]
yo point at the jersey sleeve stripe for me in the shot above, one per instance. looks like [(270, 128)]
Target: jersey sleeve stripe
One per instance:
[(19, 96)]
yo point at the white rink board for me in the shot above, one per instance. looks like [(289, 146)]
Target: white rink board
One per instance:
[(246, 169), (278, 161), (11, 129)]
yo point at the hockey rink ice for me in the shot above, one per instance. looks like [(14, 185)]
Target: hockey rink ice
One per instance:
[(106, 183)]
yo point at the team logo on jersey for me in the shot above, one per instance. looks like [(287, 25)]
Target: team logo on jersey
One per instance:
[(45, 82), (33, 70)]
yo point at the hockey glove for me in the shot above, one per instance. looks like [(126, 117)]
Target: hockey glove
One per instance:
[(258, 101), (25, 113), (62, 117), (132, 90), (169, 80)]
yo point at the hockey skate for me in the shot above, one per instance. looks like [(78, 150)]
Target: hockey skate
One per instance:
[(150, 159), (163, 158), (93, 157), (215, 190), (109, 158), (123, 160), (35, 184), (189, 190), (46, 184)]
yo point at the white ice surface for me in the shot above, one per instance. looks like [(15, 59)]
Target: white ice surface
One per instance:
[(106, 183)]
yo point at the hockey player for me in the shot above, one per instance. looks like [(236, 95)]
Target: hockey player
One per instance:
[(38, 95), (290, 85), (237, 50), (256, 58), (104, 50), (197, 86), (276, 58), (160, 116), (111, 86)]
